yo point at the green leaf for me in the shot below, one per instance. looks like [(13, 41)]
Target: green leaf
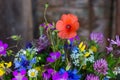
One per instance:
[(9, 52), (15, 37)]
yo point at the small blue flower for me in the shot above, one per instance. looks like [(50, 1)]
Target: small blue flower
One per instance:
[(75, 50), (28, 45), (33, 61), (105, 78), (23, 63)]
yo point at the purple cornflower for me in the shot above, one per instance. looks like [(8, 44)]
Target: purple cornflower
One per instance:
[(42, 42), (3, 47), (48, 73), (117, 41), (53, 56), (97, 37), (101, 66), (19, 75), (92, 77)]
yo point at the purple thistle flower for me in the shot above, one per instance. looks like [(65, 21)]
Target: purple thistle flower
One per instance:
[(53, 57), (117, 41), (97, 37), (101, 66), (3, 47), (19, 75), (92, 77), (42, 42)]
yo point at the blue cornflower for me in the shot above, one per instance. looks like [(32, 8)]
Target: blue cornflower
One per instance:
[(23, 63), (72, 74)]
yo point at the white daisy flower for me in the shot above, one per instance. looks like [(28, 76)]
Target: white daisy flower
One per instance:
[(32, 73)]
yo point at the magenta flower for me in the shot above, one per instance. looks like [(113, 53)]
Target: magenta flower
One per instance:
[(19, 75), (101, 66), (92, 77), (3, 47), (48, 73), (97, 37), (58, 76), (117, 41), (53, 57)]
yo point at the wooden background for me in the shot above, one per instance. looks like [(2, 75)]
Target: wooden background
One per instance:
[(23, 17)]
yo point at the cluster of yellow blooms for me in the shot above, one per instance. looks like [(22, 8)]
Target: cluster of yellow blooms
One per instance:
[(4, 66), (82, 47)]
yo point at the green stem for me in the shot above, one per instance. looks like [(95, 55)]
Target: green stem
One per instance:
[(45, 13), (30, 78), (54, 65)]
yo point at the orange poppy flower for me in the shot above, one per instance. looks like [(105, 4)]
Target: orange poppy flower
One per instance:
[(67, 26)]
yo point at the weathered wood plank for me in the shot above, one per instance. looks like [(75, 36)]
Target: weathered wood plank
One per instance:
[(16, 18), (118, 17)]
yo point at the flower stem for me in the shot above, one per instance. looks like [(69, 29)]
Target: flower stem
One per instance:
[(46, 6)]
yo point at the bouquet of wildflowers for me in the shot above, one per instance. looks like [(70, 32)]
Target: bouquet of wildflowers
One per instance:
[(60, 54)]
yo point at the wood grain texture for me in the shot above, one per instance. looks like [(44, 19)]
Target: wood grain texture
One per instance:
[(16, 18), (118, 17)]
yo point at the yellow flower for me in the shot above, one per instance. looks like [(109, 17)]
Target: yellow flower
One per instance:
[(2, 65), (93, 48), (38, 68), (84, 67), (8, 64), (82, 46), (2, 72), (87, 54)]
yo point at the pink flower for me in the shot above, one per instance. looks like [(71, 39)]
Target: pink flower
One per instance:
[(3, 47), (117, 41), (101, 66)]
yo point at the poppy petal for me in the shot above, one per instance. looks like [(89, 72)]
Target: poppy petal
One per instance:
[(60, 25), (75, 26)]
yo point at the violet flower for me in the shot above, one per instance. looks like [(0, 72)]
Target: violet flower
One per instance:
[(97, 37), (3, 47), (46, 26), (92, 77), (19, 75), (109, 49), (58, 76), (53, 57), (117, 41), (48, 73), (101, 66), (42, 43)]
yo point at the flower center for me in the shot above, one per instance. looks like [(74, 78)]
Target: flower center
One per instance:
[(68, 26), (32, 74), (1, 48), (54, 57)]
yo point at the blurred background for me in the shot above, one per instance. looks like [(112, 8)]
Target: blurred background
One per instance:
[(22, 17)]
